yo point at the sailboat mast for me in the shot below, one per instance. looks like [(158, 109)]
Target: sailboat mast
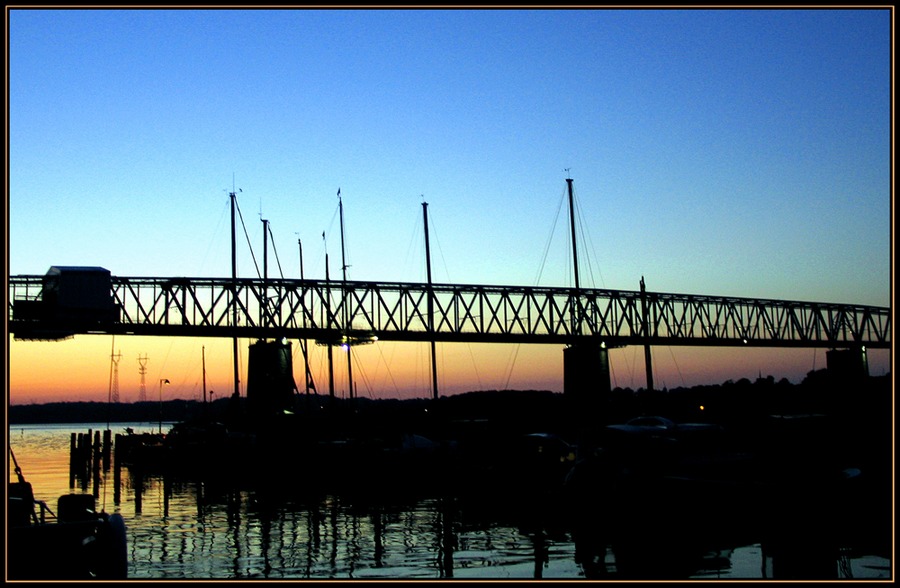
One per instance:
[(203, 350), (234, 306), (264, 311), (344, 305), (303, 342), (576, 319), (330, 354), (265, 248), (300, 246), (572, 223), (646, 327), (434, 382)]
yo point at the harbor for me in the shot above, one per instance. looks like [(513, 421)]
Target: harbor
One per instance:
[(557, 509)]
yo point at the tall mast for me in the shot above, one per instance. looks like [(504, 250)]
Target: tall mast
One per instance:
[(203, 349), (646, 327), (300, 246), (434, 382), (577, 317), (303, 342), (572, 223), (265, 248), (265, 297), (344, 292), (330, 355), (234, 306)]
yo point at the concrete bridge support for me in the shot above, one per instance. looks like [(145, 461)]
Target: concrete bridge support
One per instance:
[(586, 383), (848, 365), (270, 380)]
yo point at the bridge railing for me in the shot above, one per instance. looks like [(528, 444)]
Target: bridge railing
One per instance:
[(331, 310)]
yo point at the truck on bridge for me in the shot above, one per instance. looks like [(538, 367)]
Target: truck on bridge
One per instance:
[(73, 298)]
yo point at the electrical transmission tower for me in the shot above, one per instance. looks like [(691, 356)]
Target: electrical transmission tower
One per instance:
[(142, 396), (114, 392)]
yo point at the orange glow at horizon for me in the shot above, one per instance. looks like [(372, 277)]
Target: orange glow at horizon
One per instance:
[(80, 369)]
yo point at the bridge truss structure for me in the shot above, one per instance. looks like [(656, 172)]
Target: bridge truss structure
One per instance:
[(336, 312)]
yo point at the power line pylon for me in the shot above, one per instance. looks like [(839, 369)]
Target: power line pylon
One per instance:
[(142, 395), (115, 382)]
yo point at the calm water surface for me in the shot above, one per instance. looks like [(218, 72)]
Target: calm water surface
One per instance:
[(183, 529)]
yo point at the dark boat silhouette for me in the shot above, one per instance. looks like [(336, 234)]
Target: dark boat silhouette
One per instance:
[(74, 543)]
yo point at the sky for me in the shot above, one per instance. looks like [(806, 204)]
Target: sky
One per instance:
[(717, 152)]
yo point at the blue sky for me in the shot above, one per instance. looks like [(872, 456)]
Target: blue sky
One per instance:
[(720, 152)]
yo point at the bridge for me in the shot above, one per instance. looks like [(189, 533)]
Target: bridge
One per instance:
[(588, 321), (88, 300), (339, 312)]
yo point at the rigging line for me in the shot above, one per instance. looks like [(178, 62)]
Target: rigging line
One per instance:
[(275, 250), (388, 368), (447, 272), (515, 354), (630, 364), (586, 238), (215, 234), (512, 365), (359, 367), (440, 249), (612, 371), (414, 240), (474, 367), (324, 250), (543, 263), (240, 214), (634, 362), (676, 365)]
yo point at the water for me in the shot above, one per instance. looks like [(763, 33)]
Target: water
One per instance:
[(190, 529)]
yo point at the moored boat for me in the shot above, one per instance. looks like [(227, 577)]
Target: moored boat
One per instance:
[(73, 543)]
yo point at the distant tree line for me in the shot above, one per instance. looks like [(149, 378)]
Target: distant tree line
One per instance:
[(730, 403)]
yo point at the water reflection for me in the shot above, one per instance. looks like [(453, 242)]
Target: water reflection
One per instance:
[(635, 526), (208, 530)]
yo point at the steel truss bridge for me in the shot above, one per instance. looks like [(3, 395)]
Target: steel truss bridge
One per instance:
[(334, 312)]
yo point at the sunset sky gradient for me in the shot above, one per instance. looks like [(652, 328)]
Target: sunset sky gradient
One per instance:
[(718, 152)]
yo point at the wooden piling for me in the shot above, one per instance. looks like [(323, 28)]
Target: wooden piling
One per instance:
[(84, 459), (167, 490), (107, 449), (117, 473), (73, 457), (138, 488), (97, 453)]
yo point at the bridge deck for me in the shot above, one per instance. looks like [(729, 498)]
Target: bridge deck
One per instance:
[(336, 311)]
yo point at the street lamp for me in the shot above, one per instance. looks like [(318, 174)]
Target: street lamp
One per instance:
[(161, 382)]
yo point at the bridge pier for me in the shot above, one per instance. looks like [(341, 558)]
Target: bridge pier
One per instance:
[(270, 380), (849, 366), (586, 382)]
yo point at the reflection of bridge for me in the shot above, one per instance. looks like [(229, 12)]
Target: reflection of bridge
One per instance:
[(334, 311)]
